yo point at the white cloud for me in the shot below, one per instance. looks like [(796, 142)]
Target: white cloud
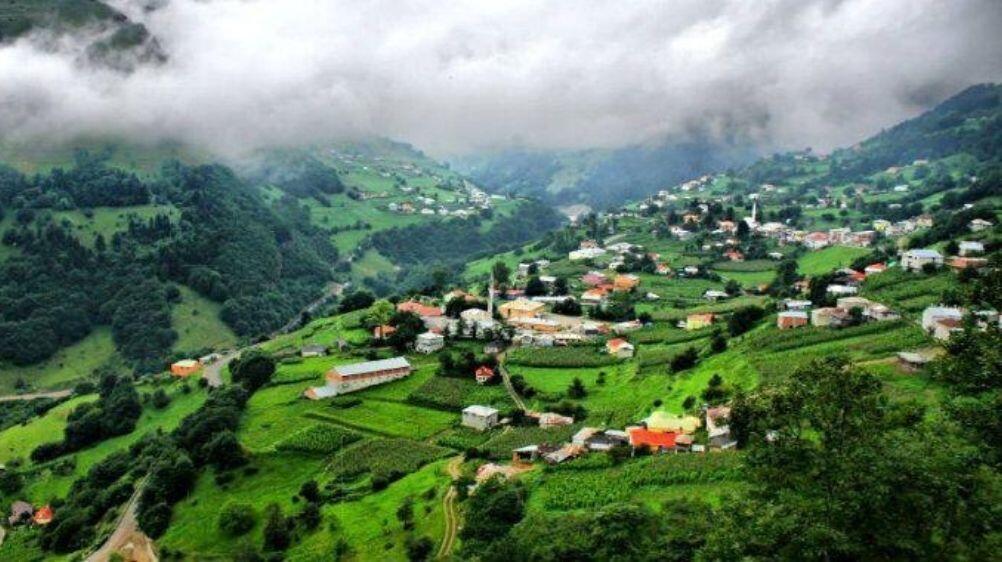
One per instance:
[(455, 77)]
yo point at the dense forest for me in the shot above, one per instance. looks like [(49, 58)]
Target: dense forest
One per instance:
[(262, 262)]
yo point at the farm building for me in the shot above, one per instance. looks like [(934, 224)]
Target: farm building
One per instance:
[(915, 260), (874, 268), (714, 295), (791, 304), (959, 263), (349, 378), (791, 319), (619, 348), (313, 350), (520, 308), (537, 324), (185, 367), (698, 321), (479, 417), (210, 358), (946, 327), (841, 290), (383, 332), (429, 342)]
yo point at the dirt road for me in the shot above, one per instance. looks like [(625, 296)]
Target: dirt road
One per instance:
[(451, 510), (507, 384), (34, 395), (127, 539)]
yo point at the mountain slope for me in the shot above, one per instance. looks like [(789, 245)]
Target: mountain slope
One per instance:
[(600, 178)]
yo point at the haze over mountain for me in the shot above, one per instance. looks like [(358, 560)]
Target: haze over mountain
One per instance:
[(481, 77)]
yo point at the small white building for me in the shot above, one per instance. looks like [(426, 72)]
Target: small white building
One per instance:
[(585, 254), (840, 290), (429, 342), (933, 314), (978, 225), (971, 248), (479, 417), (915, 260)]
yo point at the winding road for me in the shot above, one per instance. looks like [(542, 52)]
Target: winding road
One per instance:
[(451, 510), (54, 394), (507, 384), (127, 537)]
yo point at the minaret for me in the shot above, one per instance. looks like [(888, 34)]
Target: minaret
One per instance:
[(490, 298), (754, 211)]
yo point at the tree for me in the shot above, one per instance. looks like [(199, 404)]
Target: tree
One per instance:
[(310, 491), (379, 314), (224, 451), (743, 319), (356, 300), (560, 286), (160, 399), (237, 519), (501, 273), (253, 369), (277, 535), (718, 343), (684, 360), (419, 550), (577, 389), (535, 287)]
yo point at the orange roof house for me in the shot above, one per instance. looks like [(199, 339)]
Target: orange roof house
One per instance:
[(422, 310), (734, 255), (185, 367), (484, 374), (521, 308), (43, 516), (625, 283), (619, 347), (654, 440)]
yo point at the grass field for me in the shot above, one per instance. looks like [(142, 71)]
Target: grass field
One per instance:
[(68, 366), (196, 320), (828, 259), (46, 484)]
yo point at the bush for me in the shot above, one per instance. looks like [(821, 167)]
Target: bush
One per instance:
[(237, 519)]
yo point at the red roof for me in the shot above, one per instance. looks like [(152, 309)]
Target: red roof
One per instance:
[(640, 437), (484, 372), (419, 309), (43, 516), (616, 343), (380, 332)]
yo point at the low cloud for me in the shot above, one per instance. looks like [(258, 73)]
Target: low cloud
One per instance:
[(460, 77)]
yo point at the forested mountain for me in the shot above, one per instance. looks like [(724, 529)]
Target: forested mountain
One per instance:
[(600, 178), (111, 38)]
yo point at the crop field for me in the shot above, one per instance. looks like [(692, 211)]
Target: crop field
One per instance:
[(666, 333), (318, 438), (391, 418), (455, 394), (383, 457), (67, 367), (18, 441), (907, 293), (745, 266), (462, 438), (668, 311), (567, 488), (733, 366), (570, 356), (828, 259)]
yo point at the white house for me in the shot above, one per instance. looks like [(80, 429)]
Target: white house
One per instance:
[(479, 417), (915, 260), (979, 224), (840, 290), (585, 254), (429, 342), (971, 248)]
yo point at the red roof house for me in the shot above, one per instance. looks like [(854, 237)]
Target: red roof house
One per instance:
[(381, 332), (43, 516), (484, 374), (422, 310), (655, 440)]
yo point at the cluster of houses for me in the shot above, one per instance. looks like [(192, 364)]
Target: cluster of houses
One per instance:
[(658, 433), (799, 313), (475, 200), (968, 257), (941, 322)]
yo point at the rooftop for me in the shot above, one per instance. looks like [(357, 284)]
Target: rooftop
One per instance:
[(480, 411), (372, 366)]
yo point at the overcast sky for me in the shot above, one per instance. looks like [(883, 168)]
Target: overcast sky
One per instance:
[(457, 77)]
